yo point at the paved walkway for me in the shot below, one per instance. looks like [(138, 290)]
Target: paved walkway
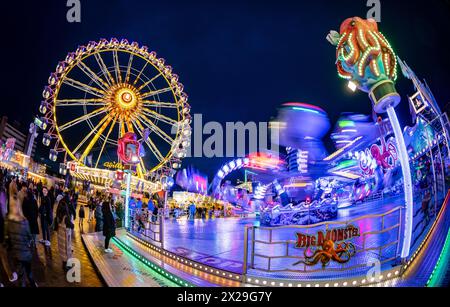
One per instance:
[(120, 268), (47, 265)]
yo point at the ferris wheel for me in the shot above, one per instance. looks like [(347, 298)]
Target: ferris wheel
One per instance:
[(106, 89)]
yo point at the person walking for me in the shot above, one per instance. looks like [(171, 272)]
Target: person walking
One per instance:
[(31, 212), (19, 239), (91, 206), (81, 215), (46, 216), (12, 276), (109, 225), (64, 226)]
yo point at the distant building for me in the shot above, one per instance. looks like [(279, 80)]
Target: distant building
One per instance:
[(17, 131)]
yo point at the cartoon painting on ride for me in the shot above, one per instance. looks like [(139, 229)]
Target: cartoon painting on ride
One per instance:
[(384, 156), (324, 248)]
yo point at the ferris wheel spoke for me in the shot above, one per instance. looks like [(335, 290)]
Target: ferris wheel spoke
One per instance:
[(105, 141), (97, 135), (130, 61), (104, 69), (80, 102), (154, 103), (149, 81), (83, 118), (93, 76), (117, 67), (84, 87), (158, 130), (157, 92), (158, 116), (153, 148), (88, 136), (138, 77), (121, 128)]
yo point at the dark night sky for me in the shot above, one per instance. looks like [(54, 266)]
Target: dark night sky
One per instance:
[(238, 60)]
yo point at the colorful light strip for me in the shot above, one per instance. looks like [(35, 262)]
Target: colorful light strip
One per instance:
[(420, 250), (441, 265), (153, 266), (304, 105), (306, 110), (233, 277)]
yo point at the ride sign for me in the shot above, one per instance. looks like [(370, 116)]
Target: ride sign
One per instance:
[(335, 235), (327, 250)]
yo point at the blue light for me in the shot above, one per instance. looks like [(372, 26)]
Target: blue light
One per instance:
[(306, 110)]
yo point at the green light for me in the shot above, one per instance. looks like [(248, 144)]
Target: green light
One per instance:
[(441, 266), (346, 163), (145, 261), (346, 123)]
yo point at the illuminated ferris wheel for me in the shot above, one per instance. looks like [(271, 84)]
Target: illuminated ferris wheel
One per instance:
[(106, 89)]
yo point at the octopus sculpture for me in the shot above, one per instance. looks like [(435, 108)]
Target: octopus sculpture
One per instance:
[(365, 57), (341, 254)]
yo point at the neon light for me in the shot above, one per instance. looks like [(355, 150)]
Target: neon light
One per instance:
[(306, 110), (151, 265), (304, 105), (127, 199), (346, 123), (441, 265), (404, 162)]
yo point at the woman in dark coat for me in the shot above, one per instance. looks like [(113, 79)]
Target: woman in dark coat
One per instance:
[(109, 225), (19, 238), (31, 212), (46, 214)]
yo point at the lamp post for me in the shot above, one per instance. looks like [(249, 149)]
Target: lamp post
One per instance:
[(33, 134), (166, 184), (128, 176), (366, 59)]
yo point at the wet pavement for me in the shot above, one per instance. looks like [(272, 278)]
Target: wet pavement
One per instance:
[(47, 264)]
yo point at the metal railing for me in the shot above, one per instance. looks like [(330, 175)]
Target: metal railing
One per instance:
[(267, 244), (145, 225)]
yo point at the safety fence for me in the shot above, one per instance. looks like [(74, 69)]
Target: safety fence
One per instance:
[(146, 225), (289, 250)]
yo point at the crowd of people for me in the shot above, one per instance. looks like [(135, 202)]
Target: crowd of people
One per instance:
[(31, 213)]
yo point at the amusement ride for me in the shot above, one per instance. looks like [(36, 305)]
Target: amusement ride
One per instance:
[(106, 90), (307, 217)]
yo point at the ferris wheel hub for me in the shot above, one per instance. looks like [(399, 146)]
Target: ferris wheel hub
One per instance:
[(126, 97)]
